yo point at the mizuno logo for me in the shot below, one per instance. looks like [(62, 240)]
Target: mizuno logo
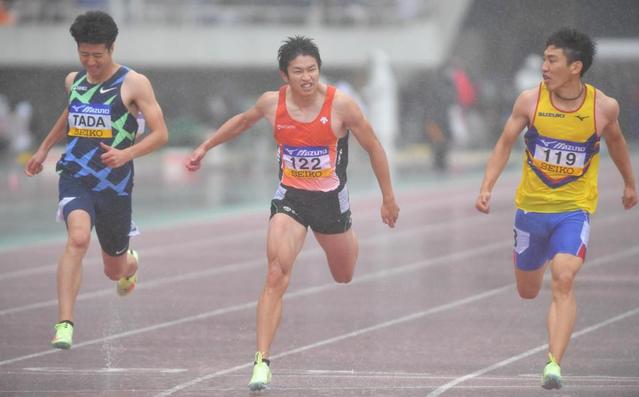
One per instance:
[(103, 91), (581, 118), (547, 143)]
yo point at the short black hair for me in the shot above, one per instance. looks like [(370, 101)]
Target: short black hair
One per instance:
[(94, 27), (294, 46), (576, 45)]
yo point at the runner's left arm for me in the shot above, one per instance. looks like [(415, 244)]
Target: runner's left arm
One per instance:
[(618, 150), (138, 90), (355, 121)]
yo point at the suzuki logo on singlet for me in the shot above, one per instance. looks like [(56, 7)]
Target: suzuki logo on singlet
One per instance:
[(547, 114), (323, 119), (284, 126)]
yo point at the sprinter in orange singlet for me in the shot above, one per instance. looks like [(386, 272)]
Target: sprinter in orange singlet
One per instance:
[(311, 123), (564, 119)]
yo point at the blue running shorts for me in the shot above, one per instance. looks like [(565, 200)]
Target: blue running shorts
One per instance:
[(110, 213), (540, 236)]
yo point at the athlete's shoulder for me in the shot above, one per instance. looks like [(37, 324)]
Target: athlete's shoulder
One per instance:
[(530, 95), (606, 106), (526, 102), (69, 79), (343, 101), (268, 99), (604, 101), (135, 78), (136, 85)]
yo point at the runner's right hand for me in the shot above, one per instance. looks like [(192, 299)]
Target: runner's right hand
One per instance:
[(193, 162), (34, 165)]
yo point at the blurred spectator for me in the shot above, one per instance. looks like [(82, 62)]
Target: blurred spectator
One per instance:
[(5, 111), (467, 124), (381, 95), (529, 76), (20, 132), (7, 16), (440, 96)]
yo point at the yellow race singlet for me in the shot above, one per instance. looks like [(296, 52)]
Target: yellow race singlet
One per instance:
[(561, 160)]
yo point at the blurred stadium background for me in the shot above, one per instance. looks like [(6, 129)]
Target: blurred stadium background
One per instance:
[(456, 65)]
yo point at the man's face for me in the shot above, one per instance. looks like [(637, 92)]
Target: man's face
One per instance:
[(96, 59), (556, 70), (302, 74)]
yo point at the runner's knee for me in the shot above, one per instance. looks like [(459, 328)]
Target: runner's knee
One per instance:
[(115, 267), (276, 278), (78, 241), (563, 282), (528, 292)]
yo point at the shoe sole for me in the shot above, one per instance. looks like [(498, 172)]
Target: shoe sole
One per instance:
[(125, 292), (552, 382), (61, 345), (259, 386)]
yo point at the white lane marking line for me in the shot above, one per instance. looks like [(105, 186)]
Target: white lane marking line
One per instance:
[(64, 370), (445, 260), (208, 241), (358, 201), (252, 263), (444, 388), (260, 261), (348, 335), (249, 305), (596, 262)]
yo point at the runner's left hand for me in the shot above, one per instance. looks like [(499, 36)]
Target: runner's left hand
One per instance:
[(113, 157), (390, 212), (629, 198)]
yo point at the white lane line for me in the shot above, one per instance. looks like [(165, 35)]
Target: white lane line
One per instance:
[(256, 262), (457, 197), (75, 371), (596, 262), (251, 235), (361, 331), (151, 251), (444, 388), (446, 259), (385, 236), (601, 260), (441, 260)]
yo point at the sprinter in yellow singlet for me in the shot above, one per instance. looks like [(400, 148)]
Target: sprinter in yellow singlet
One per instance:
[(564, 119)]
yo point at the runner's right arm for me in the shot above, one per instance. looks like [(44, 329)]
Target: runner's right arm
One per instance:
[(518, 119), (232, 128), (55, 135)]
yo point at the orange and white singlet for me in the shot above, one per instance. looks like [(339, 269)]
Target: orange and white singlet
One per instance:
[(308, 152), (561, 160)]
